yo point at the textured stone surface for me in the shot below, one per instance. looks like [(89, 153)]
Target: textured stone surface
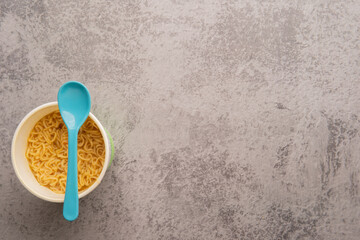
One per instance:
[(231, 119)]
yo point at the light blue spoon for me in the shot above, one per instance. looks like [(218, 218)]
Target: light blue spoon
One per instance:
[(74, 105)]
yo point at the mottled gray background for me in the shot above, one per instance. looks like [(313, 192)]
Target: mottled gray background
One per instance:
[(231, 119)]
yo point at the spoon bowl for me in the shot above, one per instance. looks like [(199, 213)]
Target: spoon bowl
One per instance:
[(74, 104)]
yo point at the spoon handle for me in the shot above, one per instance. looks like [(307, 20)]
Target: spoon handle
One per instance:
[(71, 201)]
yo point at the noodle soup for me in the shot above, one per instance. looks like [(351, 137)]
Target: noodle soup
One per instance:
[(47, 148), (90, 155)]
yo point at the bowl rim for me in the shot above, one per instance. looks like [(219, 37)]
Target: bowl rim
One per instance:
[(81, 194)]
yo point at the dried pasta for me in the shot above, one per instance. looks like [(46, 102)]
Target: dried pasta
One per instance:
[(47, 153)]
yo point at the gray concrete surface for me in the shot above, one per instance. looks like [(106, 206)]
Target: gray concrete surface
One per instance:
[(231, 119)]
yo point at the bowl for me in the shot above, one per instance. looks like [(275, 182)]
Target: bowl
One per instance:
[(21, 165)]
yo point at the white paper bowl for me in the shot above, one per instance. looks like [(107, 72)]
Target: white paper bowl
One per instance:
[(21, 165)]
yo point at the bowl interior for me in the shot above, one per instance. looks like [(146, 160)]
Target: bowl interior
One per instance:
[(20, 162)]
